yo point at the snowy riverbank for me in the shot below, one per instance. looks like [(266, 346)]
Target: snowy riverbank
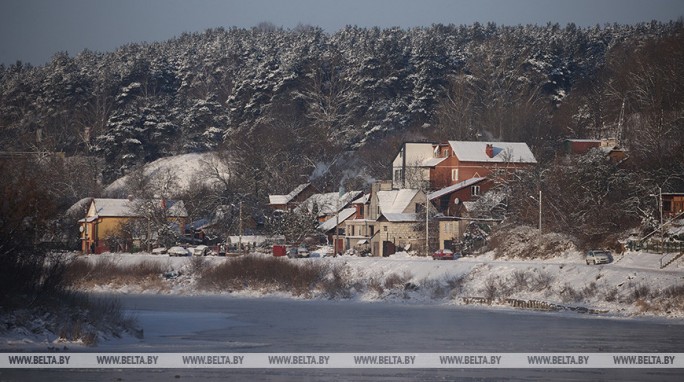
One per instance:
[(632, 285)]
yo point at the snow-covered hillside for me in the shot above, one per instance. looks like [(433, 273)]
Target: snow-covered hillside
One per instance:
[(175, 175)]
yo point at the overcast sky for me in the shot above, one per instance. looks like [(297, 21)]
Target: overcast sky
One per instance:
[(33, 30)]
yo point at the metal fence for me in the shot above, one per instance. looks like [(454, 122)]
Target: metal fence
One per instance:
[(656, 246)]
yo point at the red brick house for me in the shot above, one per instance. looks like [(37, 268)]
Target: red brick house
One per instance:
[(449, 163), (448, 199), (467, 160), (583, 146)]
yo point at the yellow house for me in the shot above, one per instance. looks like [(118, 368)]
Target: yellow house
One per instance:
[(106, 217)]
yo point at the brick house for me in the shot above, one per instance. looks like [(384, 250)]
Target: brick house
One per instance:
[(388, 221), (440, 165), (609, 146), (466, 160)]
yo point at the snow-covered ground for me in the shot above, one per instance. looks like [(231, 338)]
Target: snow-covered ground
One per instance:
[(632, 285)]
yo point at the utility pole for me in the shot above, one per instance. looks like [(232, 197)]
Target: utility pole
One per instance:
[(340, 192), (240, 238), (540, 215), (427, 231), (660, 208), (539, 200)]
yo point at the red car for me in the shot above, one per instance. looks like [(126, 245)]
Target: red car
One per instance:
[(445, 254)]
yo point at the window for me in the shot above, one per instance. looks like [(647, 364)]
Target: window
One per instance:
[(384, 228), (475, 190), (454, 174), (397, 175), (351, 229), (372, 230), (446, 153)]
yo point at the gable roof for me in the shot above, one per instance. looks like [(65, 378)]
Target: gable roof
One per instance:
[(127, 208), (284, 199), (362, 199), (395, 201), (329, 203), (454, 188), (332, 222), (112, 208), (472, 151)]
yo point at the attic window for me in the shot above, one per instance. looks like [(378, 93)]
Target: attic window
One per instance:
[(475, 190)]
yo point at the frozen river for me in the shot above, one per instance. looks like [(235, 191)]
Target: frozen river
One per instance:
[(268, 325)]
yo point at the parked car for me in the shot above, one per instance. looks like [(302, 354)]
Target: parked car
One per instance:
[(302, 252), (598, 256), (445, 254), (159, 251), (200, 250), (178, 251)]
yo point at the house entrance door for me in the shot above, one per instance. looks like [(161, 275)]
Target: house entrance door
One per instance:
[(388, 248)]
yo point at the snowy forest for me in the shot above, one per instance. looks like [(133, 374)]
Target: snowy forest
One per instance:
[(287, 106)]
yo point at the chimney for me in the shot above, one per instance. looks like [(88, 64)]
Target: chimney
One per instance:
[(489, 150)]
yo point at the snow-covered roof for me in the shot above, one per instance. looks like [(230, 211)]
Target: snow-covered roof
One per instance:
[(339, 218), (329, 203), (454, 188), (471, 151), (78, 208), (469, 206), (126, 208), (432, 162), (284, 199), (400, 217), (362, 200), (395, 201), (112, 207)]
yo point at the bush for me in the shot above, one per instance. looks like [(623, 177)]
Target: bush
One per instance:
[(337, 285), (520, 279), (542, 281), (396, 281), (375, 285), (455, 284), (640, 292), (491, 290), (570, 294), (84, 272), (268, 274)]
